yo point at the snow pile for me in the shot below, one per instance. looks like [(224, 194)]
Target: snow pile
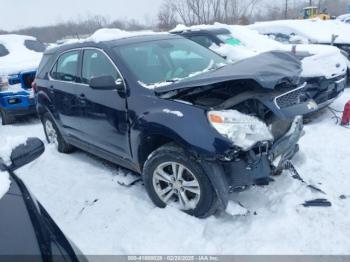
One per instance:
[(19, 58), (105, 34), (324, 60), (316, 30), (233, 53), (109, 34)]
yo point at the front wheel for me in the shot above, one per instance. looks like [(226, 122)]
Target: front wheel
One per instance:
[(54, 136), (172, 178)]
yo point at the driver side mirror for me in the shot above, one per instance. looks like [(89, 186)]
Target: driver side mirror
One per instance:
[(26, 153), (106, 83)]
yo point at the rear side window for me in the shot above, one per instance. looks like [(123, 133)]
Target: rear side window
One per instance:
[(96, 64), (66, 67), (202, 40), (3, 51), (43, 66), (35, 46)]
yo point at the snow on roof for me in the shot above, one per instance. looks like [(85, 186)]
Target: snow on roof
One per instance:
[(19, 58), (106, 34), (321, 62), (316, 30)]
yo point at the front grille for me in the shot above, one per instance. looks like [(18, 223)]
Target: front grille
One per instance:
[(290, 98)]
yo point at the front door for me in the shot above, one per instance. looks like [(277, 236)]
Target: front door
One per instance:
[(104, 115)]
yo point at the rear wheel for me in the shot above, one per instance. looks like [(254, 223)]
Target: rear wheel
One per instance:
[(54, 136), (172, 178), (6, 119)]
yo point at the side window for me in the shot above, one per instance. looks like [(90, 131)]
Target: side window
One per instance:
[(66, 67), (3, 51), (202, 40), (96, 64)]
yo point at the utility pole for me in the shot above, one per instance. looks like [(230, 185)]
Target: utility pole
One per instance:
[(310, 3), (286, 10)]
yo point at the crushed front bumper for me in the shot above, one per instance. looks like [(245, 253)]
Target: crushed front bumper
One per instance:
[(325, 91), (265, 159)]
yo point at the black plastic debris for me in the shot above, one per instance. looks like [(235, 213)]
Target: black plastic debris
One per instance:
[(296, 175), (320, 202), (131, 183), (343, 197)]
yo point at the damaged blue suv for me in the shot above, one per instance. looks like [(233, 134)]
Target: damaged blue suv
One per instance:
[(195, 127)]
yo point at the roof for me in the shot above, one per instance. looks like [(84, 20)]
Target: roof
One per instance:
[(207, 30), (112, 43)]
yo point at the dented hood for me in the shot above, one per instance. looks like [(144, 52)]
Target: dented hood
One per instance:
[(267, 69)]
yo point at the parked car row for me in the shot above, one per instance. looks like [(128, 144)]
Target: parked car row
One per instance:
[(198, 112)]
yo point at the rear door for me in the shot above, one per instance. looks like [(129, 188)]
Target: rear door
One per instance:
[(64, 89), (104, 115)]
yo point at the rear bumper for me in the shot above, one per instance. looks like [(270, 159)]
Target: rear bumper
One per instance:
[(17, 105), (264, 160), (21, 111)]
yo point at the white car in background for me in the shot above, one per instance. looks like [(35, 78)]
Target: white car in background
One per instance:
[(344, 18), (313, 31), (324, 67), (19, 53)]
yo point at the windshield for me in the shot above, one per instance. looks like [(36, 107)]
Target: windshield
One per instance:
[(229, 39), (168, 60), (35, 46)]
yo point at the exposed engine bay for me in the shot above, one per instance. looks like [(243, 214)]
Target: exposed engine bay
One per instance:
[(248, 98)]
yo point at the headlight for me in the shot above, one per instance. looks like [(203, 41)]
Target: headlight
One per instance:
[(243, 130)]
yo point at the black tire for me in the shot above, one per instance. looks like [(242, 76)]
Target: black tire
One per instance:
[(6, 119), (62, 146), (207, 203)]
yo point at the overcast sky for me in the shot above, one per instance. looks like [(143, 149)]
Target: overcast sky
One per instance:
[(16, 14)]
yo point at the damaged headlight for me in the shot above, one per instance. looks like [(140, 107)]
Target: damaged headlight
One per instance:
[(243, 130)]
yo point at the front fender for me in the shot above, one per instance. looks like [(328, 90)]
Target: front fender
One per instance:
[(183, 124)]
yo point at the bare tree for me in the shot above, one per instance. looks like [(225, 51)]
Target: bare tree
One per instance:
[(167, 18), (192, 12)]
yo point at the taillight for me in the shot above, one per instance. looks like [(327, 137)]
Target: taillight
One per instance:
[(34, 86), (346, 115)]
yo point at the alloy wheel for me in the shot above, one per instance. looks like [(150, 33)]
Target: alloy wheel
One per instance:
[(176, 185)]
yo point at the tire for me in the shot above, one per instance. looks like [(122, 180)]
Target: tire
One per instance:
[(54, 136), (194, 185), (6, 119)]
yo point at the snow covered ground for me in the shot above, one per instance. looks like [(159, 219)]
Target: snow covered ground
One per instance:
[(84, 196)]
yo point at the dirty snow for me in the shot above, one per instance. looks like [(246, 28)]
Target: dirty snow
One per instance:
[(19, 58)]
